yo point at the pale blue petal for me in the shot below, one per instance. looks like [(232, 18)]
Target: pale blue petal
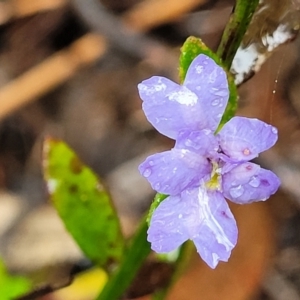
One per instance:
[(216, 232), (201, 142), (173, 171), (249, 183), (209, 82), (167, 229), (243, 139), (196, 214)]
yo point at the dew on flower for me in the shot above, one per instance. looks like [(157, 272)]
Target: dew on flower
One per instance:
[(215, 102), (221, 93), (147, 173), (199, 69), (185, 97), (203, 168), (212, 77), (236, 192), (188, 143), (254, 181), (157, 186)]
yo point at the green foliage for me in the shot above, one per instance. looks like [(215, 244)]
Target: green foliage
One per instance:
[(12, 286), (235, 30), (137, 252), (193, 47), (83, 204), (156, 201)]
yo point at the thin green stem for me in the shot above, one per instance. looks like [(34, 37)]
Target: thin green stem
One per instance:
[(134, 258), (235, 30)]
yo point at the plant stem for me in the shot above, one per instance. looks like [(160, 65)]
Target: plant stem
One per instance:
[(133, 259), (235, 30)]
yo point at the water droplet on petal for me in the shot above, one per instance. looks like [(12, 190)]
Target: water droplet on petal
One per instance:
[(179, 216), (254, 182), (147, 173), (157, 186), (215, 102), (199, 69), (151, 163), (188, 143), (236, 192), (274, 130), (221, 92)]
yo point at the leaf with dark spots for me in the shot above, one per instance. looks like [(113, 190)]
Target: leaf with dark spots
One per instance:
[(82, 203), (76, 165)]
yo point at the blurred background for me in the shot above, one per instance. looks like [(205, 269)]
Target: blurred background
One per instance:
[(69, 69)]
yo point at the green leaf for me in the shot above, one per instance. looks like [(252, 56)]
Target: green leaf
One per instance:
[(189, 51), (83, 204), (191, 48), (137, 252), (12, 286), (156, 201)]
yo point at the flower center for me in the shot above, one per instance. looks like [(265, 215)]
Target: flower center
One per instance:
[(215, 178)]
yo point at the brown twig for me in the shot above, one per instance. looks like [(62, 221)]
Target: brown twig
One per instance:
[(53, 71), (22, 8), (151, 13), (119, 34)]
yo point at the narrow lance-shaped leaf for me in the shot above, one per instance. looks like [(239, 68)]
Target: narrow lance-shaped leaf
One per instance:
[(189, 51), (82, 203)]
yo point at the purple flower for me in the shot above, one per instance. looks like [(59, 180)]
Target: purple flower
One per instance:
[(203, 168)]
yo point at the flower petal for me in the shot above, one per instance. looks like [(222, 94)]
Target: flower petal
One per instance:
[(209, 82), (202, 142), (243, 139), (170, 172), (167, 230), (249, 183), (215, 231), (202, 217)]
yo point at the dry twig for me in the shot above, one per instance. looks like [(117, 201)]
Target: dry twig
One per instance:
[(152, 13), (52, 72)]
